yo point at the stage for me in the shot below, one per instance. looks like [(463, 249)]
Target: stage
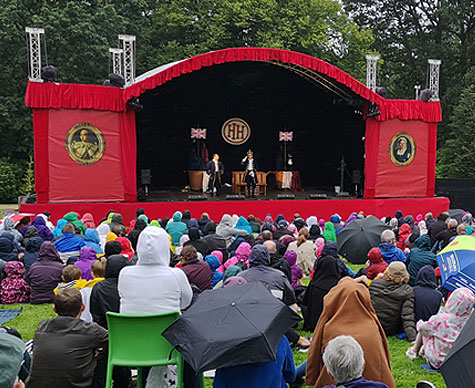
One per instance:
[(258, 207)]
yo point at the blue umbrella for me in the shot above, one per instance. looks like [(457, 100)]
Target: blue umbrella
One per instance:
[(457, 263)]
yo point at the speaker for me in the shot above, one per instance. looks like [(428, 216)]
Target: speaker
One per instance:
[(317, 196), (285, 196), (356, 177), (235, 197), (197, 197), (146, 176)]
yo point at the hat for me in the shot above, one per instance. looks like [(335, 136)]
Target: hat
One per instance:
[(397, 273), (11, 357)]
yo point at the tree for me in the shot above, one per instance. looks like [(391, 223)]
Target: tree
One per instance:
[(457, 156)]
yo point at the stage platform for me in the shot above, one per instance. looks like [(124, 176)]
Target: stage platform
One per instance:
[(323, 208)]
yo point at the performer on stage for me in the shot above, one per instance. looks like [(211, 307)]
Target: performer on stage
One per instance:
[(250, 175), (215, 169)]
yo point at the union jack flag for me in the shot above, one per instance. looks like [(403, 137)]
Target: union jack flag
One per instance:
[(198, 133), (286, 136)]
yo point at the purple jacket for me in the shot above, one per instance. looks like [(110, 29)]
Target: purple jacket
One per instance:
[(40, 224), (297, 272), (86, 258), (198, 273), (359, 383), (45, 274)]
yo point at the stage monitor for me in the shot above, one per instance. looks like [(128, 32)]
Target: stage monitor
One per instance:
[(197, 197), (146, 176), (286, 196), (235, 197)]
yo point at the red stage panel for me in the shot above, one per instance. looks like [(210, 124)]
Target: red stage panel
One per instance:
[(69, 180), (322, 209)]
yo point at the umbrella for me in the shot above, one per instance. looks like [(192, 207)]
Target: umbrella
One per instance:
[(457, 214), (358, 237), (457, 263), (457, 368), (231, 326)]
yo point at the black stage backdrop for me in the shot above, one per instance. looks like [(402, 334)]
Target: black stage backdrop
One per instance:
[(270, 99)]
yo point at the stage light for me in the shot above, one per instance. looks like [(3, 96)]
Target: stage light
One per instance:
[(49, 73), (425, 95), (135, 104), (116, 80), (373, 111), (383, 92)]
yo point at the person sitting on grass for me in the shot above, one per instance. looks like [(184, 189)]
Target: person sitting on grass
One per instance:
[(376, 264), (344, 359), (70, 278), (98, 275), (12, 350), (66, 346), (438, 334), (69, 244), (427, 299), (388, 248)]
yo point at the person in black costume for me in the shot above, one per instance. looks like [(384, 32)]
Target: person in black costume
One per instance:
[(215, 169), (250, 174)]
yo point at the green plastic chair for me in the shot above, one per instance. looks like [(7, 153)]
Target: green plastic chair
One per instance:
[(137, 341)]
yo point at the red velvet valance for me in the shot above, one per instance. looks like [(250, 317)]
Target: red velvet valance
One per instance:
[(76, 96)]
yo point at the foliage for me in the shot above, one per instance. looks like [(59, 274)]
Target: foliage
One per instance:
[(28, 184), (10, 179), (457, 156)]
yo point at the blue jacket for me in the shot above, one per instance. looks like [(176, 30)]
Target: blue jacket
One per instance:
[(176, 229), (391, 253), (69, 243), (260, 375), (91, 239), (214, 264), (359, 383)]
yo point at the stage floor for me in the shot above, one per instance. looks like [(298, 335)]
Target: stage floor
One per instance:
[(322, 208)]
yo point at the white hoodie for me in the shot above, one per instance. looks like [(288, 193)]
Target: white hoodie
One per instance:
[(152, 287)]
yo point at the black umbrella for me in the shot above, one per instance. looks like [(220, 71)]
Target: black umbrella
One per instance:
[(457, 214), (358, 237), (231, 326), (458, 367)]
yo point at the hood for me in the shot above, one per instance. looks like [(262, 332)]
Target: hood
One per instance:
[(71, 217), (177, 216), (183, 239), (194, 234), (232, 270), (375, 256), (282, 224), (423, 242), (48, 252), (330, 249), (234, 281), (155, 223), (117, 219), (31, 232), (114, 264), (88, 220), (259, 256), (219, 255), (144, 218), (243, 251), (87, 254), (213, 262), (58, 231), (314, 230), (426, 277), (193, 223), (291, 257), (186, 215), (39, 222), (279, 217), (409, 220), (140, 224), (460, 302), (335, 218), (227, 220), (103, 230), (8, 224), (398, 214), (14, 269), (125, 244), (139, 211), (286, 239), (153, 247), (405, 230), (312, 220), (33, 244), (242, 222), (210, 228), (92, 235), (6, 244), (112, 248)]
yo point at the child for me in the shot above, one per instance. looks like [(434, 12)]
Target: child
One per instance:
[(297, 272), (65, 346), (98, 274), (214, 264), (376, 263), (14, 288), (71, 278)]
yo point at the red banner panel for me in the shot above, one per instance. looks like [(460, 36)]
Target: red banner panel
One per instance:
[(84, 156), (403, 158)]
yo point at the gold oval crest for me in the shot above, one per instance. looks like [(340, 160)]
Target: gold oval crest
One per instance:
[(85, 144), (402, 149)]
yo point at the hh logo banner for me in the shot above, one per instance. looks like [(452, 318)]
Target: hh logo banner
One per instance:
[(236, 131)]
